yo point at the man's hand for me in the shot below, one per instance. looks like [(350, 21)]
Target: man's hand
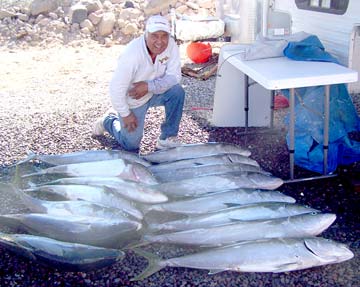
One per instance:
[(138, 90), (130, 122)]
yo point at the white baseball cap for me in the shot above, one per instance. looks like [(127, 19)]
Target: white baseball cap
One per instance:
[(157, 23)]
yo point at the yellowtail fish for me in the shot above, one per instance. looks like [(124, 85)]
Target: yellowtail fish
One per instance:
[(270, 255)]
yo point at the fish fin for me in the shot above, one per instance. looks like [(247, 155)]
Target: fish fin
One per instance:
[(215, 271), (286, 267), (153, 266), (108, 189), (229, 204), (198, 164), (236, 220)]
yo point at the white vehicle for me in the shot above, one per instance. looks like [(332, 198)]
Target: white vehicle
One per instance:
[(335, 22)]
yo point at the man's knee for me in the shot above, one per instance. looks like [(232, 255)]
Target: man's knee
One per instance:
[(130, 147), (178, 92), (130, 144)]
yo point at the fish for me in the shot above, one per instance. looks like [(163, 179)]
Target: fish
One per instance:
[(95, 231), (201, 161), (303, 225), (117, 167), (68, 207), (219, 201), (192, 172), (267, 210), (95, 194), (269, 255), (188, 151), (65, 256), (215, 183), (131, 190), (156, 6), (85, 156)]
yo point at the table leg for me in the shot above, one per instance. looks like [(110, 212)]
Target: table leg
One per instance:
[(326, 127), (292, 131), (246, 101), (272, 107)]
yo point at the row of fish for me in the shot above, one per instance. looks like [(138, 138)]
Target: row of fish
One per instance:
[(215, 195)]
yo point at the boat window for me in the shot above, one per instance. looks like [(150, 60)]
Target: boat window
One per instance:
[(326, 6)]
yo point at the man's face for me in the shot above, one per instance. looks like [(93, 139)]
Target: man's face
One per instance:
[(157, 42)]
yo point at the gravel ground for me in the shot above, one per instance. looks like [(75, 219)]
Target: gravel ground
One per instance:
[(49, 100)]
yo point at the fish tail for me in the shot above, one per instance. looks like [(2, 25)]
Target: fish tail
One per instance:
[(155, 264), (41, 172), (139, 243), (16, 181), (7, 241), (30, 156), (154, 227), (144, 208), (32, 203), (10, 222)]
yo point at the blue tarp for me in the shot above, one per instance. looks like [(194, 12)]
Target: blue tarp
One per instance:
[(309, 110)]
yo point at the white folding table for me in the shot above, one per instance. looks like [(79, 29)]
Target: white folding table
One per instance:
[(283, 73)]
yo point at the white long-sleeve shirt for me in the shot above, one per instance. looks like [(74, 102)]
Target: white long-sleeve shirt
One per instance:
[(135, 65)]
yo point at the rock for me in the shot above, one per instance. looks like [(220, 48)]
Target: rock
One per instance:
[(22, 17), (87, 24), (53, 16), (92, 5), (43, 6), (95, 17), (78, 13), (44, 22), (130, 14), (129, 4), (121, 23), (207, 4), (86, 31), (181, 9), (5, 14), (130, 29), (39, 18), (106, 24), (123, 20), (108, 42), (192, 5), (107, 5)]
